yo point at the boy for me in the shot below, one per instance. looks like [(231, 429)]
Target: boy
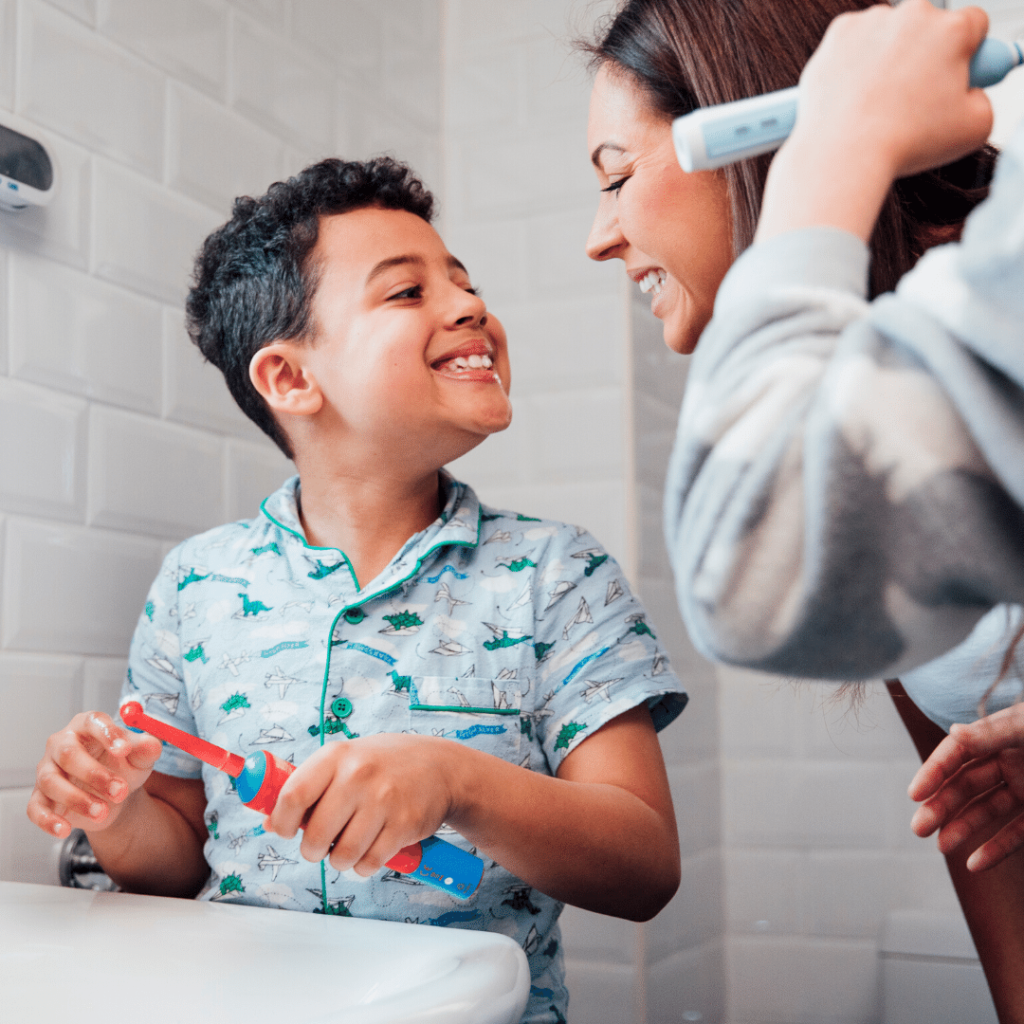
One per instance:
[(427, 662)]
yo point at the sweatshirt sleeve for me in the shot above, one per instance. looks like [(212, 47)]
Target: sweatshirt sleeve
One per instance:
[(844, 496)]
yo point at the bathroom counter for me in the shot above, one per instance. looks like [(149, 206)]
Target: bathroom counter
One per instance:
[(75, 955)]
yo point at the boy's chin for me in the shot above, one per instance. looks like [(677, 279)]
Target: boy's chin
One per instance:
[(473, 437)]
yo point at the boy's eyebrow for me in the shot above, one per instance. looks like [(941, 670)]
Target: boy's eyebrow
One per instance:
[(398, 261)]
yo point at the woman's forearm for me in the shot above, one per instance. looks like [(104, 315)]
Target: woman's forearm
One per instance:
[(993, 900)]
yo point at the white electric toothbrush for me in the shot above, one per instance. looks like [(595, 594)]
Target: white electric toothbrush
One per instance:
[(715, 136)]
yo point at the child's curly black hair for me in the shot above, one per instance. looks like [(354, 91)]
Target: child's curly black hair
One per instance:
[(254, 280)]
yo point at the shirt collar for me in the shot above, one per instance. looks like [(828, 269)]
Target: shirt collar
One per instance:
[(458, 523)]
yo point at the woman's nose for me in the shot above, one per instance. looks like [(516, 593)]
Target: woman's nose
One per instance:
[(605, 241)]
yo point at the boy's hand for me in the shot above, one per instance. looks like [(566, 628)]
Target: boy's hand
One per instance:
[(88, 771), (975, 777), (367, 798)]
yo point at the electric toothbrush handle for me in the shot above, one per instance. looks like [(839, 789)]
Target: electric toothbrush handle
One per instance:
[(711, 137), (432, 860)]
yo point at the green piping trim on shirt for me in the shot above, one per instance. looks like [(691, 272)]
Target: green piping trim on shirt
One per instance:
[(334, 626), (419, 562), (305, 543), (464, 708)]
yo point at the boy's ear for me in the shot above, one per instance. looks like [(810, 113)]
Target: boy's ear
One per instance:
[(278, 373)]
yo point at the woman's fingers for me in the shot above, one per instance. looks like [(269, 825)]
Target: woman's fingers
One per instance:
[(942, 764), (955, 794), (995, 805), (1006, 841), (998, 733), (992, 733)]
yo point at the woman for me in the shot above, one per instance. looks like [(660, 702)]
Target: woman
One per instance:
[(756, 582)]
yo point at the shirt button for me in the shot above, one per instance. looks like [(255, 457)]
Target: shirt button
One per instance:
[(354, 616)]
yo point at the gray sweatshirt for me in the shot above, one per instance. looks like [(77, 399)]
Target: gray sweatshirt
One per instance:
[(845, 495)]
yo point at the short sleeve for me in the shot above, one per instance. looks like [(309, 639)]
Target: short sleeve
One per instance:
[(156, 676), (599, 657)]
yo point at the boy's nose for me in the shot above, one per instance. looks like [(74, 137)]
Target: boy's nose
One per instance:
[(469, 309)]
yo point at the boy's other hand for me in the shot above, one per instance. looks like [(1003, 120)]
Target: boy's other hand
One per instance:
[(366, 799), (88, 771), (974, 779)]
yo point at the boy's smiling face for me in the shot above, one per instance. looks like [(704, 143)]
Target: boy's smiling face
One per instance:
[(404, 352)]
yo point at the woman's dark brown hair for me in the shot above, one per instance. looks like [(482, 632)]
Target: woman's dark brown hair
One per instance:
[(686, 54)]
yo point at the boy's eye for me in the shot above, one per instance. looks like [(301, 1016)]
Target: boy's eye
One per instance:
[(615, 185), (413, 292)]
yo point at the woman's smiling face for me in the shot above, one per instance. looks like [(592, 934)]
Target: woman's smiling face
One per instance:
[(672, 229)]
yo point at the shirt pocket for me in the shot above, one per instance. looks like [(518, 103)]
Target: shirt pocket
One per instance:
[(481, 713)]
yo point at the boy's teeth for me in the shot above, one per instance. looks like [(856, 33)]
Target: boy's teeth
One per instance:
[(474, 362), (652, 281)]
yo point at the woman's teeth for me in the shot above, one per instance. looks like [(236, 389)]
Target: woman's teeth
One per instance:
[(483, 362), (652, 281)]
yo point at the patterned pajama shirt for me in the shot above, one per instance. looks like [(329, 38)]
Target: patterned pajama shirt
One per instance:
[(515, 636)]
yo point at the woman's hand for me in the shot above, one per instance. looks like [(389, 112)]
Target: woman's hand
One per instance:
[(885, 95), (895, 80), (973, 778), (363, 800), (88, 771)]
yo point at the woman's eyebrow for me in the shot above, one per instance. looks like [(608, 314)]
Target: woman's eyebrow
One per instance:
[(595, 157)]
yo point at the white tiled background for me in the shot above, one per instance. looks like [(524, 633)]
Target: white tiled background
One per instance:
[(117, 441)]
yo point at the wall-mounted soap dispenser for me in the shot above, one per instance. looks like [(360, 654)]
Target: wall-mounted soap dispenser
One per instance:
[(28, 173)]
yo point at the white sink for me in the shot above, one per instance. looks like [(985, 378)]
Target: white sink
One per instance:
[(71, 955)]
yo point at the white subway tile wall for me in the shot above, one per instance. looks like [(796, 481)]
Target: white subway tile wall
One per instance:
[(40, 693), (116, 104), (73, 333), (187, 38), (46, 474), (8, 45), (4, 300), (145, 235), (119, 440)]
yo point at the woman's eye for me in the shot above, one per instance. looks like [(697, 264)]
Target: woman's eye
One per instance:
[(615, 185)]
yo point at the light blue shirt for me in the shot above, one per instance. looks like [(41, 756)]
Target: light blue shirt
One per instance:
[(516, 636)]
